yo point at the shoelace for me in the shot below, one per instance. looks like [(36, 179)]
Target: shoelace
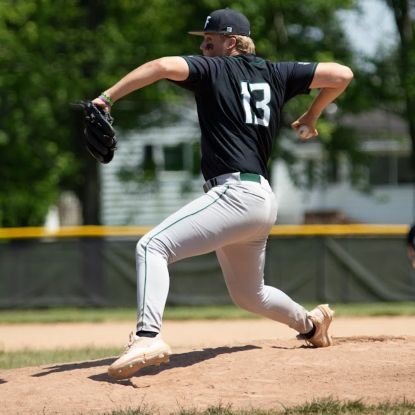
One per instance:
[(130, 342), (302, 337)]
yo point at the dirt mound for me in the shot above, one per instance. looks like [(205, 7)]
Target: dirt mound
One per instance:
[(255, 373)]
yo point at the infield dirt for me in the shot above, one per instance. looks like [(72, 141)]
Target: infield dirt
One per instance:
[(244, 363)]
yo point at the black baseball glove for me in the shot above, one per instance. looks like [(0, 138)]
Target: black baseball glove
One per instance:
[(100, 139)]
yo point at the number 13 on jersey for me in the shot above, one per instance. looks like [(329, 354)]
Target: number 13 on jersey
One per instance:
[(260, 100)]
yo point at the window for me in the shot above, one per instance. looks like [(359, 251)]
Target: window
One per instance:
[(390, 169), (174, 157), (406, 171), (381, 170)]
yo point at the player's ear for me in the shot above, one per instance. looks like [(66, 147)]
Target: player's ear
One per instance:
[(230, 42)]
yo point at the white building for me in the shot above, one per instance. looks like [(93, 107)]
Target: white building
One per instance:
[(391, 199), (140, 200)]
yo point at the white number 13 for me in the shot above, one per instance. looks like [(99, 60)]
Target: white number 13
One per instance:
[(262, 104)]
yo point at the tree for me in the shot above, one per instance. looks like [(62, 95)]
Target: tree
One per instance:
[(388, 81), (404, 12), (52, 58)]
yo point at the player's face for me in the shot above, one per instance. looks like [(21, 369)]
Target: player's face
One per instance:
[(215, 45), (411, 256)]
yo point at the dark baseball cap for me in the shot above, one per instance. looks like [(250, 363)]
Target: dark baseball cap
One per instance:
[(226, 22)]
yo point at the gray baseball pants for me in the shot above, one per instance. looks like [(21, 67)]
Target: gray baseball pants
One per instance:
[(234, 219)]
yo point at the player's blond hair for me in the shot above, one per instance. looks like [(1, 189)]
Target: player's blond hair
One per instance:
[(244, 44)]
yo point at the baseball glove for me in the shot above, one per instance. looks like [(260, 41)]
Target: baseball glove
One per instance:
[(100, 139)]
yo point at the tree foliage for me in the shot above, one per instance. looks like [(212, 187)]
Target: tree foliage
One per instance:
[(54, 53), (404, 62), (388, 81)]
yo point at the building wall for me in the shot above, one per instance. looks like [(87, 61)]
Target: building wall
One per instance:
[(394, 204), (148, 204), (145, 203)]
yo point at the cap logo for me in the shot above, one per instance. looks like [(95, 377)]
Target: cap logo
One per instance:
[(229, 29), (207, 21)]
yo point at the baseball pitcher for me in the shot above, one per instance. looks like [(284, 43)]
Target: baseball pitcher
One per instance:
[(239, 98)]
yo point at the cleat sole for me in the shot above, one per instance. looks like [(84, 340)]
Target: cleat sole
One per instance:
[(132, 368)]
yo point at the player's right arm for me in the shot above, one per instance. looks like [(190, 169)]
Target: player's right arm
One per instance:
[(332, 79), (174, 68)]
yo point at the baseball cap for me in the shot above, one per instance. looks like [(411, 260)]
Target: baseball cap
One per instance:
[(227, 22)]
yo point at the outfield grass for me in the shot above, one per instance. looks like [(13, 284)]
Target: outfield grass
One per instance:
[(319, 407), (95, 315), (27, 358)]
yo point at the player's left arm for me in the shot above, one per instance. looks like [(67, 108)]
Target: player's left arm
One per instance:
[(332, 79), (174, 68)]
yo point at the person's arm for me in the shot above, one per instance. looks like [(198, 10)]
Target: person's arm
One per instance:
[(174, 68), (332, 79)]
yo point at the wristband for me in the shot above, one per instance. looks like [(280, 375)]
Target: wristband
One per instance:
[(106, 99)]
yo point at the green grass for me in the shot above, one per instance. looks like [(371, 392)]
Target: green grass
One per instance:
[(27, 358), (66, 315), (319, 407), (96, 315), (375, 309)]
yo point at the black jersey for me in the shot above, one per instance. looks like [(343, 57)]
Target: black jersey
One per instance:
[(239, 101)]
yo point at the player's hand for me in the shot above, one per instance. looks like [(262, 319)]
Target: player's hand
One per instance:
[(305, 127), (102, 104)]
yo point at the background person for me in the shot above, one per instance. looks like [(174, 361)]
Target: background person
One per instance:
[(410, 240)]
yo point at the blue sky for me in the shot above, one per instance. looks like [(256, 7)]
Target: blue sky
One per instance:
[(372, 28)]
